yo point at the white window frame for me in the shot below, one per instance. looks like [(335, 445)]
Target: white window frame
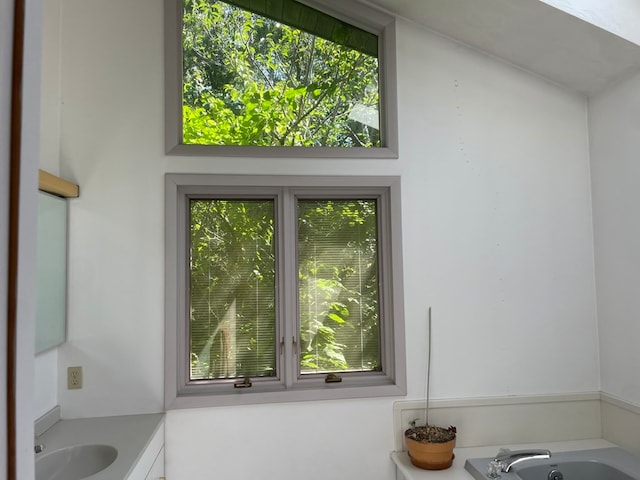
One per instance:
[(181, 393), (350, 11)]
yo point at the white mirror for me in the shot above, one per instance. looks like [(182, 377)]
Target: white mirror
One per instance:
[(51, 282)]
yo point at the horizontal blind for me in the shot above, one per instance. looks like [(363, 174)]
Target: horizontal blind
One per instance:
[(338, 286), (232, 289)]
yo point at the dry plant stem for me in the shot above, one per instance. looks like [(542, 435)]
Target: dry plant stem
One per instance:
[(426, 402), (429, 434)]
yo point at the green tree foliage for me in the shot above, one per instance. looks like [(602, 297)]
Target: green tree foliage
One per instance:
[(250, 80), (233, 272), (232, 327), (338, 285)]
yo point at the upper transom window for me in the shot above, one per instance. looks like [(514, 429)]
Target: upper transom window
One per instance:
[(246, 75)]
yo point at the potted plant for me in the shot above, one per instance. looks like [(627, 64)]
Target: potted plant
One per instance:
[(430, 447)]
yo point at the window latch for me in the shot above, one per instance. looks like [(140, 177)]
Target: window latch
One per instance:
[(332, 378), (246, 383)]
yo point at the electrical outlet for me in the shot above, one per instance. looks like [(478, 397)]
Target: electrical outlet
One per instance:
[(74, 378)]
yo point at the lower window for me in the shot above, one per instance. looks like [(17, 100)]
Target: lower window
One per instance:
[(282, 289)]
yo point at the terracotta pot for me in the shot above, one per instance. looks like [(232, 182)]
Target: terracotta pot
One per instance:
[(431, 456)]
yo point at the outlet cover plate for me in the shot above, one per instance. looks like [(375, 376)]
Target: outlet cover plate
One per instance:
[(74, 378)]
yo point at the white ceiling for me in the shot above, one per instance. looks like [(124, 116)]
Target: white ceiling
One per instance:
[(531, 34)]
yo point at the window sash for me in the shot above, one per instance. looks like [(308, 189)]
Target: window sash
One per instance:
[(227, 373), (327, 292), (232, 331)]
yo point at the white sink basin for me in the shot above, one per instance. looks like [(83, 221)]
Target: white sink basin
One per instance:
[(74, 463)]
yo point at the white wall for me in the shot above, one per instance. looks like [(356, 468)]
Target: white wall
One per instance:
[(50, 99), (45, 382), (497, 237), (614, 125), (620, 17), (497, 225)]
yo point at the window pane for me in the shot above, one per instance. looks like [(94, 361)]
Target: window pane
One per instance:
[(338, 286), (252, 79), (232, 289)]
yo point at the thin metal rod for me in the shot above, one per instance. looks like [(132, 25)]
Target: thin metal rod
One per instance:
[(426, 401)]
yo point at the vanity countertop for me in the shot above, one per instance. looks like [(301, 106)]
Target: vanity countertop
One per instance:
[(132, 435), (457, 471)]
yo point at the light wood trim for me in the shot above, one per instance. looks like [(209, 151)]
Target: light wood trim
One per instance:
[(51, 184)]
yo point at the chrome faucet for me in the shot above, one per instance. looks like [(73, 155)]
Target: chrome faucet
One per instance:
[(505, 458), (37, 447)]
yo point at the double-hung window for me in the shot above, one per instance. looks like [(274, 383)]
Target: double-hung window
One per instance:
[(280, 77), (282, 288)]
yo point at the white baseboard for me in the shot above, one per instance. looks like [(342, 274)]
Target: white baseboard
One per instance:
[(507, 420), (620, 422), (46, 421)]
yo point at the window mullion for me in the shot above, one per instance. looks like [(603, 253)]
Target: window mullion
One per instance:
[(288, 282)]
